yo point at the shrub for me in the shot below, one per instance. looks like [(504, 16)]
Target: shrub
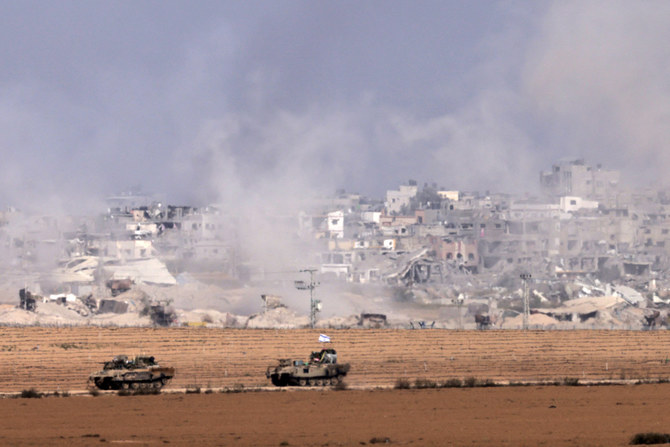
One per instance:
[(452, 383), (570, 381), (650, 438), (193, 390), (487, 383), (380, 440), (424, 383), (402, 384), (31, 393), (94, 392), (470, 382), (236, 388)]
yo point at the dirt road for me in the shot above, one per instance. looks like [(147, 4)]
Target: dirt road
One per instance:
[(510, 416)]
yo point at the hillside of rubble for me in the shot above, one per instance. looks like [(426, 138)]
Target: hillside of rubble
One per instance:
[(458, 302)]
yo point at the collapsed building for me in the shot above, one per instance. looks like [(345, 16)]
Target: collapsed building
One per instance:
[(585, 227), (427, 245), (584, 224)]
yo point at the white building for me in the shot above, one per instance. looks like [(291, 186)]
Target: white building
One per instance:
[(336, 224)]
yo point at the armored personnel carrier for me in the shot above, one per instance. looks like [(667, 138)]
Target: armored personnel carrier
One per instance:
[(123, 373), (321, 369)]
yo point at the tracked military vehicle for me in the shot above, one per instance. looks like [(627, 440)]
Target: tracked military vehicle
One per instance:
[(321, 369), (123, 373)]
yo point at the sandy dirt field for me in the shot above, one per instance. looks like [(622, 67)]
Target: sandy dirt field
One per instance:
[(501, 416), (50, 359)]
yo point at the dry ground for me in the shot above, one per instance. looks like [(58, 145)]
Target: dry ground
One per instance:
[(508, 416), (51, 359)]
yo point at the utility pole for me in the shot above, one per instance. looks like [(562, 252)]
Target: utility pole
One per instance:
[(525, 277), (314, 305)]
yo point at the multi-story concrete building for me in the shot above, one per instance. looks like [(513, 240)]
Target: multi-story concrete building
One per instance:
[(397, 199), (576, 178)]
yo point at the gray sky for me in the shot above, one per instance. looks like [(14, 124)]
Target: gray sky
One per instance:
[(214, 101)]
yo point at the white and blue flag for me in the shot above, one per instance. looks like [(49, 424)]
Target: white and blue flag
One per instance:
[(323, 338)]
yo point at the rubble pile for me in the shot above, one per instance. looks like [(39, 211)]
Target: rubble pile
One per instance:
[(466, 303), (278, 318)]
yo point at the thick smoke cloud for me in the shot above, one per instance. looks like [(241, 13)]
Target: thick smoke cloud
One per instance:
[(258, 105), (597, 76)]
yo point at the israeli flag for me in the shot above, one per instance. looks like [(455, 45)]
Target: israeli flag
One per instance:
[(324, 338)]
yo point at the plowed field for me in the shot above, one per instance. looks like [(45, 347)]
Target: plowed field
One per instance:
[(51, 359)]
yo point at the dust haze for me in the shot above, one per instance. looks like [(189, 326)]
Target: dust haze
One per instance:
[(261, 107)]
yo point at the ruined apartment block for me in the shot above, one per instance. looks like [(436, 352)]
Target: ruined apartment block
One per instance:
[(584, 223), (576, 178)]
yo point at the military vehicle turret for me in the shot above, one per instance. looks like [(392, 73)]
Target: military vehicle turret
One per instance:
[(123, 373), (321, 369)]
